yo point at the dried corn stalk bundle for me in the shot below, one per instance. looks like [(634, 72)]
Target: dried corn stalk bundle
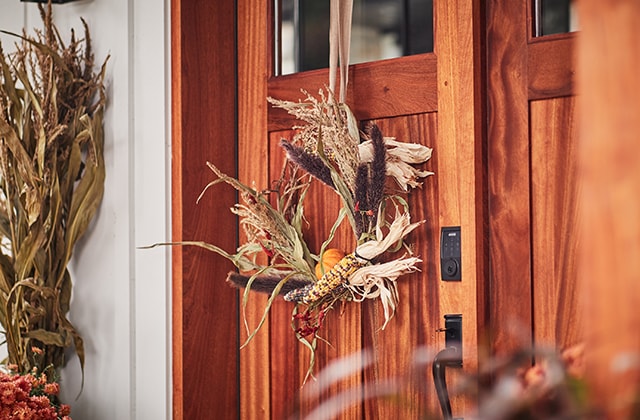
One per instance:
[(52, 176)]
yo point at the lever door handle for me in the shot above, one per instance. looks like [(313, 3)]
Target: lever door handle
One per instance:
[(451, 356), (444, 358)]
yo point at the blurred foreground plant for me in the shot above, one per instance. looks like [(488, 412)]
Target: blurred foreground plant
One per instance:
[(51, 183), (506, 388)]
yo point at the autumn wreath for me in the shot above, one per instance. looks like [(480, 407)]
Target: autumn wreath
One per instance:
[(328, 147)]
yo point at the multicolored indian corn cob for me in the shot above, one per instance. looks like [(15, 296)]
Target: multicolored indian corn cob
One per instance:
[(331, 280)]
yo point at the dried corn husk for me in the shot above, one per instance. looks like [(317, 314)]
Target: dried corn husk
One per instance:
[(399, 228), (400, 157), (379, 281)]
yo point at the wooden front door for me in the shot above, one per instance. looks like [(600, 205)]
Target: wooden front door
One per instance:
[(533, 201), (431, 99), (492, 102)]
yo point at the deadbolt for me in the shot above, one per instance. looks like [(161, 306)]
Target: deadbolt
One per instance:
[(450, 254)]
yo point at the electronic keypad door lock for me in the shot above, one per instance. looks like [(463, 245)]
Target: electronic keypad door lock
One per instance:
[(450, 254)]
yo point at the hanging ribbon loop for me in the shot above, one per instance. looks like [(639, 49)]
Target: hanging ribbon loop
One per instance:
[(339, 45)]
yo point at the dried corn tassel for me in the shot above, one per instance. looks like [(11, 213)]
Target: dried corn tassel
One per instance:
[(329, 282)]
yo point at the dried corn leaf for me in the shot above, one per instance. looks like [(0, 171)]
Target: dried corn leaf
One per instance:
[(19, 156), (48, 337), (51, 183), (6, 275), (27, 252), (86, 199)]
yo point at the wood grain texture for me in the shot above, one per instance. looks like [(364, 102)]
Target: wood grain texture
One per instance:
[(253, 161), (508, 177), (412, 331), (205, 309), (609, 106), (551, 69), (555, 216), (371, 93), (460, 175)]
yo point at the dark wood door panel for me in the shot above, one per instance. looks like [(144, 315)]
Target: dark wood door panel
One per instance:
[(554, 201), (203, 316)]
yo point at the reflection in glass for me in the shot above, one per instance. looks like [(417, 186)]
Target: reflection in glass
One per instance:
[(555, 17), (381, 29)]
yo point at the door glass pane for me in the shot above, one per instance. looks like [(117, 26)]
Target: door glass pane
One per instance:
[(555, 17), (381, 29)]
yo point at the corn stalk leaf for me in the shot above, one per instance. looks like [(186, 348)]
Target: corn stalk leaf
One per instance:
[(88, 193), (48, 337), (52, 177)]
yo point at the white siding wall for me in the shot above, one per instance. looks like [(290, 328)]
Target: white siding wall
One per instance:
[(121, 301)]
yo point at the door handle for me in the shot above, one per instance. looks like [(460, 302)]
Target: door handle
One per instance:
[(450, 356)]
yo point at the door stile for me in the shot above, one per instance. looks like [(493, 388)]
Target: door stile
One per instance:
[(253, 157), (510, 296), (460, 166)]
